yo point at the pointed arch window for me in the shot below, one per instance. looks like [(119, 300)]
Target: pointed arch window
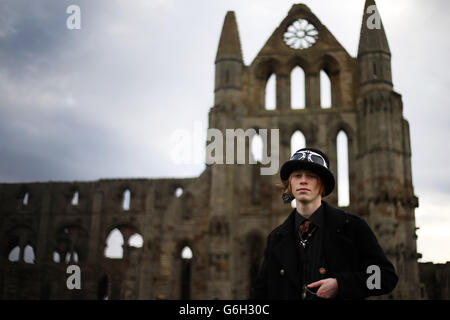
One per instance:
[(68, 257), (256, 148), (114, 245), (28, 254), (75, 257), (342, 169), (26, 198), (186, 261), (271, 93), (325, 90), (126, 200), (75, 198), (297, 88), (297, 141), (56, 257), (178, 192), (136, 241), (14, 254)]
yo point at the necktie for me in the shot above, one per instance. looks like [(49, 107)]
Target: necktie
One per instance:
[(304, 228)]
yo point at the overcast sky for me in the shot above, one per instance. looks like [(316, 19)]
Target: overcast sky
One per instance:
[(105, 101)]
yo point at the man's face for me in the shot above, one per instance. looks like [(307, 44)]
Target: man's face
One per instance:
[(306, 186)]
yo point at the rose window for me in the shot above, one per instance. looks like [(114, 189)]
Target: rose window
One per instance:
[(301, 34)]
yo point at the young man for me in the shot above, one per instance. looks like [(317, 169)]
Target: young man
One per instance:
[(320, 252)]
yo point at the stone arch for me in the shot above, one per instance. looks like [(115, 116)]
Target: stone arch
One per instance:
[(298, 61), (266, 66), (341, 125), (127, 230), (263, 70), (331, 66), (308, 130), (286, 132)]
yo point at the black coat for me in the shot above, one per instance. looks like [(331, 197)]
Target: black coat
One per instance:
[(349, 247)]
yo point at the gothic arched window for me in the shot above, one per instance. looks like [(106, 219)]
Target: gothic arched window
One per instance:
[(186, 262), (26, 198), (136, 241), (126, 200), (256, 148), (325, 90), (297, 88), (28, 254), (75, 198), (271, 93), (114, 244), (342, 169)]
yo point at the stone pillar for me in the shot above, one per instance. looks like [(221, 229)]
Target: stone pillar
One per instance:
[(283, 91), (312, 90), (94, 232)]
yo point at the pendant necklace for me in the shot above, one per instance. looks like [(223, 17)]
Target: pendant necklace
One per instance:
[(305, 241)]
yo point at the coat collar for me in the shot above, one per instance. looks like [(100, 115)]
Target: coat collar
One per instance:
[(333, 218), (316, 218)]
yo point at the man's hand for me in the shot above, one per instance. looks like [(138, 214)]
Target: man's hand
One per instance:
[(328, 288)]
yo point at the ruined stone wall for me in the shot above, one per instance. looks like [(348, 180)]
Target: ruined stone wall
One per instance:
[(50, 224), (435, 280)]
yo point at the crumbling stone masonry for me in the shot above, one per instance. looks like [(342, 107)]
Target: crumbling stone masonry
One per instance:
[(203, 238)]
